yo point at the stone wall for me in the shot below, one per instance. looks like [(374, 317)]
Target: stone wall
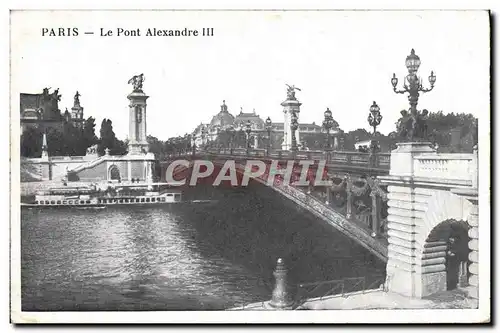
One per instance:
[(137, 170), (95, 173), (122, 167), (421, 197)]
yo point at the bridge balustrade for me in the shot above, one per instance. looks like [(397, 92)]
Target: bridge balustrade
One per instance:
[(377, 160), (446, 166)]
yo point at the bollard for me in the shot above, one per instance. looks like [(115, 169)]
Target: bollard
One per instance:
[(281, 298)]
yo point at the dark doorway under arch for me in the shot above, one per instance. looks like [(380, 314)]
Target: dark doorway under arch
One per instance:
[(114, 173), (455, 235)]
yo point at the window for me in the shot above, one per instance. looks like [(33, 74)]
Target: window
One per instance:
[(163, 199), (82, 202), (52, 202), (87, 202), (36, 202), (64, 202), (58, 202), (142, 199), (147, 199)]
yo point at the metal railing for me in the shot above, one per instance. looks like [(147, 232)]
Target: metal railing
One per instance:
[(377, 160), (317, 291)]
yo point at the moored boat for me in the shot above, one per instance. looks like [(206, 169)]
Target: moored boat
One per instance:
[(145, 194)]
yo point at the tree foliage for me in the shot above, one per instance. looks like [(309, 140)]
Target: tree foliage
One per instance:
[(453, 132), (108, 140), (67, 139)]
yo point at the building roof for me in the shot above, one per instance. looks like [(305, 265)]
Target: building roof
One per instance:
[(30, 101), (223, 118), (243, 117)]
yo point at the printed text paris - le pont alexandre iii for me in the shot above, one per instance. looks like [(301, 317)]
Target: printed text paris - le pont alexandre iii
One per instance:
[(123, 32)]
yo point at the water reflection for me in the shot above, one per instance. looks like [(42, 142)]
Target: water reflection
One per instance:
[(179, 256)]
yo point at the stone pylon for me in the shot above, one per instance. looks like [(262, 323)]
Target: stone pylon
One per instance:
[(138, 144), (289, 107)]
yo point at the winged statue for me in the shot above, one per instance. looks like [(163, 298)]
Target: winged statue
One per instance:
[(290, 91), (137, 81)]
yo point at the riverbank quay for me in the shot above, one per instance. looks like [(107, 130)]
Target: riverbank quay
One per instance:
[(377, 299), (31, 188)]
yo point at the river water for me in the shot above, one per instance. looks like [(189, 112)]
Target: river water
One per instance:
[(180, 256)]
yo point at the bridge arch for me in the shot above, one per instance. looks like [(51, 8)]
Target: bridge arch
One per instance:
[(442, 242), (376, 246)]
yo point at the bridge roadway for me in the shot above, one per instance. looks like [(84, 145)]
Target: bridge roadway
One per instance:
[(346, 170)]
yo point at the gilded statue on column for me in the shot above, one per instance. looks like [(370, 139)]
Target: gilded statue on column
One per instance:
[(137, 81)]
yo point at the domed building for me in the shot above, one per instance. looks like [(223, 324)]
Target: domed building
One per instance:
[(223, 119), (227, 130)]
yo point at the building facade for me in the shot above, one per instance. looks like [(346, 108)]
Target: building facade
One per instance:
[(226, 129), (42, 111)]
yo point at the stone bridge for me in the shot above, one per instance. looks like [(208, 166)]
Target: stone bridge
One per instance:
[(351, 202), (413, 208)]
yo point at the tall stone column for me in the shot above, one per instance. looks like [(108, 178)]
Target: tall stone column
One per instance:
[(290, 106), (138, 144)]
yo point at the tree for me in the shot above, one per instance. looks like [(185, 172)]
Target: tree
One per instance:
[(107, 137), (119, 147), (156, 147), (55, 141), (31, 142), (88, 136), (350, 138), (72, 140), (452, 132)]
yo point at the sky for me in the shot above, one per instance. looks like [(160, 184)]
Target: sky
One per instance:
[(343, 60)]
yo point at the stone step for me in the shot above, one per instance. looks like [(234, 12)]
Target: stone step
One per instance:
[(474, 256), (474, 280), (474, 244), (474, 268), (474, 233)]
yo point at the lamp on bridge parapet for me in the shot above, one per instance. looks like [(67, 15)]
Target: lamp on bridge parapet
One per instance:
[(412, 125), (203, 134), (269, 126), (248, 130), (374, 118), (328, 124)]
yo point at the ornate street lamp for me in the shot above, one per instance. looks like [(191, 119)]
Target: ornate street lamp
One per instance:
[(413, 126), (328, 124), (203, 133), (294, 125), (269, 126), (248, 130), (230, 131), (374, 118)]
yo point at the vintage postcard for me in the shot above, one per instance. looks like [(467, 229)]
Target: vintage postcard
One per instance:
[(250, 166)]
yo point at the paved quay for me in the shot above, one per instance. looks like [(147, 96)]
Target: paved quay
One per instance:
[(379, 299)]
